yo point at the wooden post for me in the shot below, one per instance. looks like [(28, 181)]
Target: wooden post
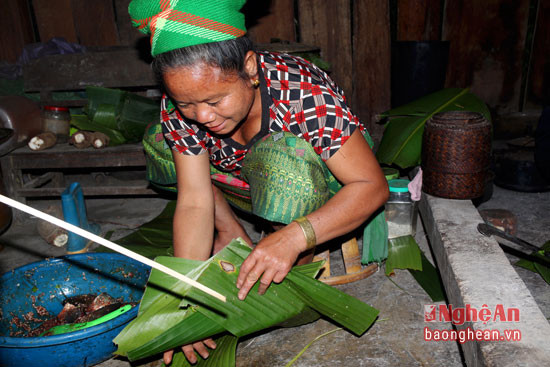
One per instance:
[(371, 62), (127, 34), (419, 20), (538, 87), (487, 40), (327, 25), (95, 22), (54, 18), (17, 31), (276, 22)]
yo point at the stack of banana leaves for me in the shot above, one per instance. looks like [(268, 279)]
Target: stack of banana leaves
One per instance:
[(172, 313), (121, 115)]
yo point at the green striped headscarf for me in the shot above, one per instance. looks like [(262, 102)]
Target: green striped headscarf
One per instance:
[(174, 24)]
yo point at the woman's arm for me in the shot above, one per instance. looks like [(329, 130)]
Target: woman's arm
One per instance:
[(193, 226), (194, 215), (364, 190)]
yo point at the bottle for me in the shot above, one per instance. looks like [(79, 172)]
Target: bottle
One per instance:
[(400, 210), (57, 120)]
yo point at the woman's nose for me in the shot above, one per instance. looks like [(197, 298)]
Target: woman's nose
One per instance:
[(204, 114)]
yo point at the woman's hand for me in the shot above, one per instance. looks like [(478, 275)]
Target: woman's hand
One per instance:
[(271, 259), (190, 349)]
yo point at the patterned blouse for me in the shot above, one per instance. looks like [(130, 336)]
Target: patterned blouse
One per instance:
[(297, 97)]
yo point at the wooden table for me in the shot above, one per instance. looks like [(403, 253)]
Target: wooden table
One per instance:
[(116, 170)]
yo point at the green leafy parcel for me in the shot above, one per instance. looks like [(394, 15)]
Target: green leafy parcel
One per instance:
[(121, 115), (173, 313)]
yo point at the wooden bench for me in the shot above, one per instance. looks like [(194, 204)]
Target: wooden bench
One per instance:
[(47, 173), (118, 170)]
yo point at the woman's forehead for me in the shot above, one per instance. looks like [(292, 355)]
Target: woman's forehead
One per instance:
[(199, 71), (198, 83)]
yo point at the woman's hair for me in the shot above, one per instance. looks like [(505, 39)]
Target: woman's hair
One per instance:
[(227, 55)]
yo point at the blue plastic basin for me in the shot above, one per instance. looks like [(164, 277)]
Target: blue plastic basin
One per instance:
[(49, 282)]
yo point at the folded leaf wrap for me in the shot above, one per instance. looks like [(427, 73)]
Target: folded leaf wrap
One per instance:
[(172, 314)]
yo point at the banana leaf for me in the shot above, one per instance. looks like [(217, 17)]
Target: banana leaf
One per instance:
[(82, 122), (137, 112), (428, 278), (223, 355), (98, 96), (153, 238), (538, 262), (105, 115), (401, 142), (173, 314), (160, 305), (375, 240), (403, 253)]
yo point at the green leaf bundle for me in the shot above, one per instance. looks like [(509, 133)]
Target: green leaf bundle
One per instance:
[(121, 115), (173, 313)]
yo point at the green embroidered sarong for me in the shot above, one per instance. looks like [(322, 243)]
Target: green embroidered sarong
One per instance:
[(287, 178)]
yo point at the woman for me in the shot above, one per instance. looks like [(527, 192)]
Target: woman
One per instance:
[(272, 130)]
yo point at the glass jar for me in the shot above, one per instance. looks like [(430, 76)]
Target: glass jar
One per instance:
[(57, 120), (400, 210)]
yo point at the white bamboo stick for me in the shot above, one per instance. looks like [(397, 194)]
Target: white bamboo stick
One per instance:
[(113, 246)]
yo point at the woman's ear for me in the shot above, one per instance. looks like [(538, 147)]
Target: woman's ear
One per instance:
[(250, 65)]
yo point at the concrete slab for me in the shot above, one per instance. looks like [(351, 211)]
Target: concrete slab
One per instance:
[(476, 272), (533, 225)]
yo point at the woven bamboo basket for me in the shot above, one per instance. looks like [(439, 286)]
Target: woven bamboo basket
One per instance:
[(456, 154)]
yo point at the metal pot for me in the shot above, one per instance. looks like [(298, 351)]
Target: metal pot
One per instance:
[(515, 169)]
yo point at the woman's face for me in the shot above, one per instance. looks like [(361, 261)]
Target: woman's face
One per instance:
[(214, 99)]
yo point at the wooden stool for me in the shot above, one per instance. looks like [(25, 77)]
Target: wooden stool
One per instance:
[(352, 264)]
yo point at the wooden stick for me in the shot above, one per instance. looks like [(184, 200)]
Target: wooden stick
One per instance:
[(113, 246)]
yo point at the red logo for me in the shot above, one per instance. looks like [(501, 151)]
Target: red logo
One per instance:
[(430, 313), (460, 315)]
